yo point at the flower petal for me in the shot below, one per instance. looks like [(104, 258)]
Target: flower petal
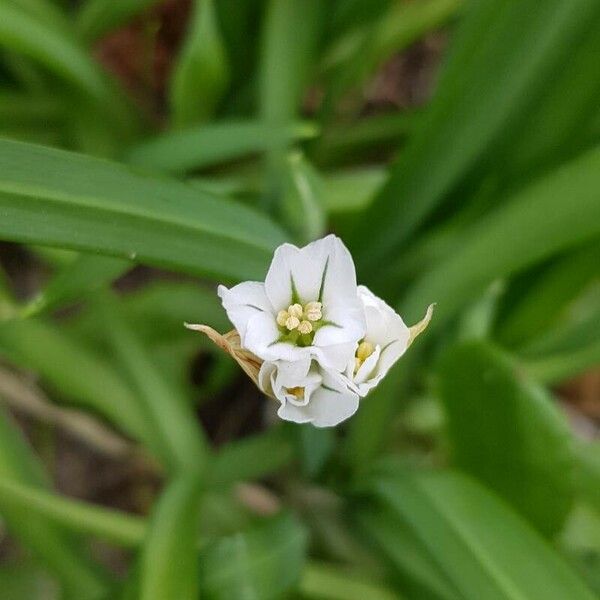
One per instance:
[(334, 356), (243, 302), (332, 403), (322, 270)]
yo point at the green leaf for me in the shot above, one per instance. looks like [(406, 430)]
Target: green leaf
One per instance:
[(80, 374), (351, 191), (499, 67), (419, 573), (564, 365), (314, 447), (74, 515), (63, 199), (560, 125), (289, 36), (326, 582), (171, 415), (168, 565), (360, 138), (261, 563), (549, 295), (201, 74), (211, 144), (303, 201), (88, 272), (252, 457), (368, 430), (17, 107), (158, 310), (535, 224), (398, 27), (506, 431), (24, 582), (54, 49), (588, 472), (482, 547), (97, 17), (50, 545)]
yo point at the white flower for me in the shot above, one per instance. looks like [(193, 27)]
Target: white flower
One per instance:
[(386, 340), (307, 307), (307, 392)]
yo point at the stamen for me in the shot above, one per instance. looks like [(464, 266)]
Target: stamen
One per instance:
[(305, 327), (295, 310), (282, 317), (357, 364), (292, 322), (296, 391), (365, 349), (313, 311)]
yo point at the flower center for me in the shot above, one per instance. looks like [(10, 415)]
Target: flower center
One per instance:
[(364, 350), (298, 392), (298, 323)]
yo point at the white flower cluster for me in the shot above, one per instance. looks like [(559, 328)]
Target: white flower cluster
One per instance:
[(322, 341)]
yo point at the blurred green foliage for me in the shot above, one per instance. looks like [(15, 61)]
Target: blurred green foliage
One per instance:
[(461, 476)]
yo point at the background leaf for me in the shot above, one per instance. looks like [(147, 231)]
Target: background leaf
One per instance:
[(506, 431)]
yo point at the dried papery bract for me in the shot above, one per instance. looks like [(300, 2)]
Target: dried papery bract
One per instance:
[(418, 328), (230, 342)]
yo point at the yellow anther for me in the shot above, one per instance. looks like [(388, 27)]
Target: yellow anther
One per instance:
[(282, 317), (357, 364), (313, 311), (296, 391), (295, 310), (305, 327), (292, 322), (365, 349)]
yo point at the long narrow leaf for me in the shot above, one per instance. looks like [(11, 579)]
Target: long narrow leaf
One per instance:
[(506, 431), (482, 547), (50, 545), (113, 526), (170, 413), (168, 567), (536, 223), (201, 73), (501, 63), (69, 200), (208, 145), (80, 374)]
